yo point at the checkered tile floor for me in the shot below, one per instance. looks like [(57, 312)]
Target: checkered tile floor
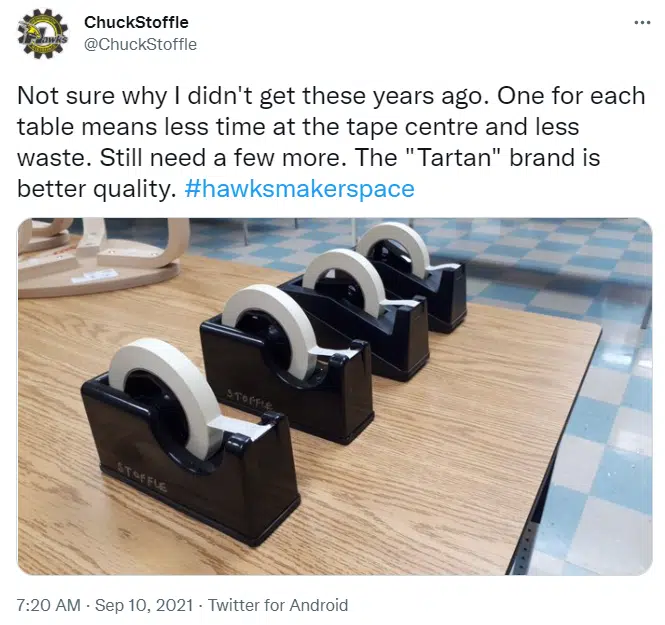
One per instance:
[(597, 518)]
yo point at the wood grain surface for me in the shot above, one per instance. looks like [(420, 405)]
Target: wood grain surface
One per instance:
[(441, 482)]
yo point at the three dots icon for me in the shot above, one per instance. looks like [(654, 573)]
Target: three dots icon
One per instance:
[(642, 22)]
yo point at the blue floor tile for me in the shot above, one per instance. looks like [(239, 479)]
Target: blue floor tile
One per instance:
[(638, 394), (474, 235), (577, 286), (563, 510), (591, 419), (643, 238), (643, 282), (593, 262), (440, 240), (574, 230), (571, 569), (614, 356), (602, 242), (274, 252), (289, 267), (624, 478), (637, 257), (554, 313), (530, 234), (320, 235), (507, 250), (319, 248), (528, 264), (267, 239), (625, 226), (509, 293), (558, 246)]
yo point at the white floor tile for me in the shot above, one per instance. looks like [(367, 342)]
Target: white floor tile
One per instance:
[(612, 540), (525, 242), (585, 272), (238, 247), (476, 285), (299, 258), (576, 463), (633, 268), (639, 246), (496, 259), (622, 235), (618, 332), (343, 228), (343, 240), (254, 260), (632, 431), (487, 301), (540, 225), (573, 239), (643, 366), (469, 246), (444, 233), (297, 244), (547, 256), (605, 385), (601, 252), (544, 564), (291, 232), (589, 224), (564, 302)]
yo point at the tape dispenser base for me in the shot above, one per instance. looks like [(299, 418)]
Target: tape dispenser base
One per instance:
[(246, 489), (444, 288), (398, 340), (244, 371)]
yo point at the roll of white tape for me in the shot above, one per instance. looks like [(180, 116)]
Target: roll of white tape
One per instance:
[(409, 239), (405, 236), (358, 267), (290, 316), (188, 384)]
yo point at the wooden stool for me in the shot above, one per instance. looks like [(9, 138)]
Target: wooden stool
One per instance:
[(47, 235), (97, 264)]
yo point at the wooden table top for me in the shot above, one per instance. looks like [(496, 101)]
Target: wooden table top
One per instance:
[(441, 482)]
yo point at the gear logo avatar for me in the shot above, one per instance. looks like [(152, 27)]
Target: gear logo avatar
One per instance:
[(42, 33)]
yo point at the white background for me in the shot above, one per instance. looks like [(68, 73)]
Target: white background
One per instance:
[(482, 45)]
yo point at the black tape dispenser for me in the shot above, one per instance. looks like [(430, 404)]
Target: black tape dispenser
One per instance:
[(353, 304), (261, 354), (158, 427), (407, 272)]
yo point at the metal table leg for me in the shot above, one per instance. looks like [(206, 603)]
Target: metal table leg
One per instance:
[(245, 230), (647, 315), (522, 557)]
